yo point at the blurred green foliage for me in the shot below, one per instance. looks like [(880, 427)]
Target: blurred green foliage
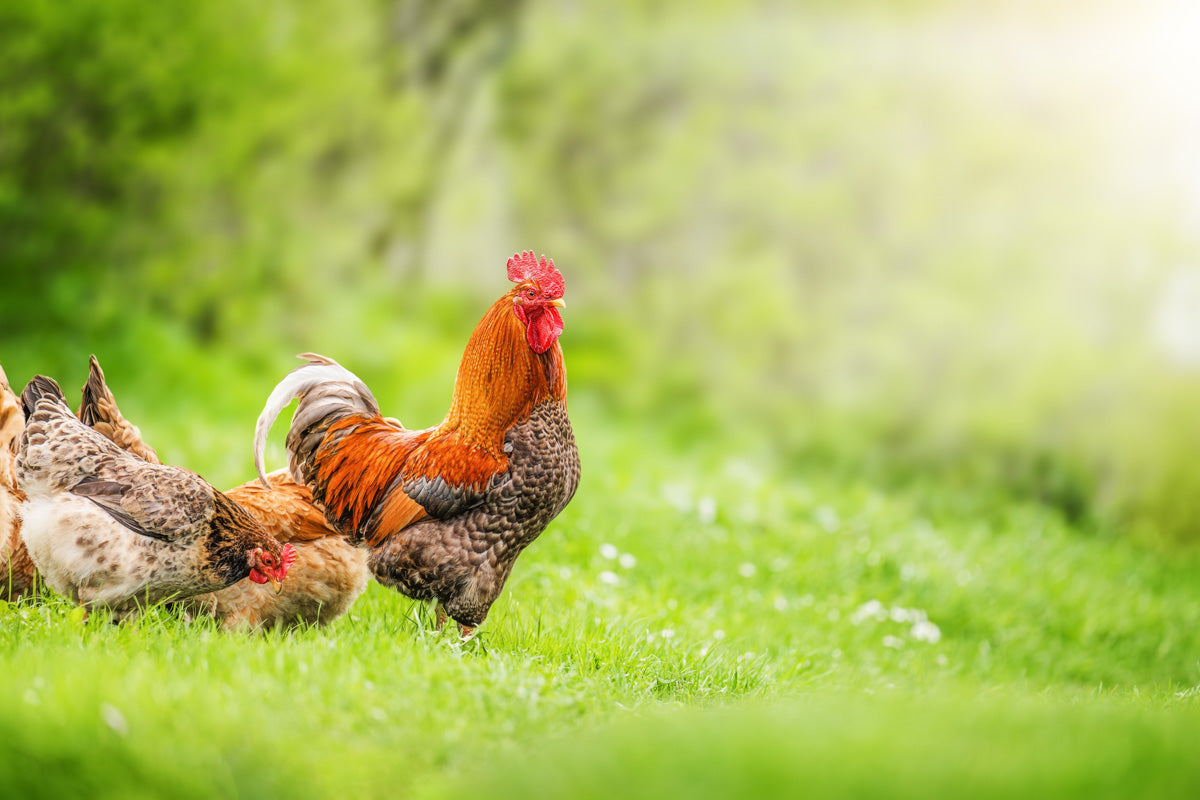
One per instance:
[(883, 237)]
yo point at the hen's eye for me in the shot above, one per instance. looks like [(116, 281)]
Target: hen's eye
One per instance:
[(530, 293)]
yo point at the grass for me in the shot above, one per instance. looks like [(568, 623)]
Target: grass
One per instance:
[(700, 626), (962, 247)]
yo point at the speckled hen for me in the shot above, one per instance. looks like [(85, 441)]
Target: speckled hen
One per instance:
[(446, 511), (108, 529), (328, 573)]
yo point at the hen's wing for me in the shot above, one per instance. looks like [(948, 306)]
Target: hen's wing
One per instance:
[(60, 453)]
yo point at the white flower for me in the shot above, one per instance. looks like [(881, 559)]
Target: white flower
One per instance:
[(114, 719), (827, 518), (894, 642), (925, 631), (667, 633), (611, 578), (627, 561), (781, 603), (609, 551), (746, 570), (706, 507), (872, 609), (718, 634)]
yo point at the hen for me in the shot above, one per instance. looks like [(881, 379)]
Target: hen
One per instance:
[(447, 510), (17, 573), (108, 529), (328, 573)]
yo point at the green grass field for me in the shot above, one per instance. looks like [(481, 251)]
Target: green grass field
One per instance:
[(884, 357), (703, 626)]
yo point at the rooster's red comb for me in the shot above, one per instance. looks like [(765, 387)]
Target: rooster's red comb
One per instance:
[(526, 267)]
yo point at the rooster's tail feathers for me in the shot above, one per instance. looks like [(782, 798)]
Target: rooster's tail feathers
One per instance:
[(327, 391)]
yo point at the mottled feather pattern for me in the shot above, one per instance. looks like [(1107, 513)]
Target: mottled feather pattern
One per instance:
[(327, 576), (464, 561), (133, 531)]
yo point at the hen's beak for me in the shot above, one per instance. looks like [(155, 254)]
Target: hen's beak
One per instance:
[(276, 584), (558, 301)]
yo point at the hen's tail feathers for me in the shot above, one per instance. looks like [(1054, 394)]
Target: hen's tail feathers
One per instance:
[(39, 387), (99, 411), (95, 391), (327, 391)]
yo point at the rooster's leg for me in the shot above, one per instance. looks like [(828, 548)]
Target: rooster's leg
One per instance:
[(467, 631), (441, 616)]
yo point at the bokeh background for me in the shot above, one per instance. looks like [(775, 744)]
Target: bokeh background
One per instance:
[(882, 238)]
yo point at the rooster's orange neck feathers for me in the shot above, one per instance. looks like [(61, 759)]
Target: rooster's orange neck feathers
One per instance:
[(501, 379)]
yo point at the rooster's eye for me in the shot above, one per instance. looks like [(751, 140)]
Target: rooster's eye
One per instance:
[(530, 293)]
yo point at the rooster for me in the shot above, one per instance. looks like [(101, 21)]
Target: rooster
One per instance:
[(445, 511), (17, 573), (108, 529), (328, 573)]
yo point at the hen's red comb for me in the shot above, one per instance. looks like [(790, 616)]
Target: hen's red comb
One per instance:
[(526, 267)]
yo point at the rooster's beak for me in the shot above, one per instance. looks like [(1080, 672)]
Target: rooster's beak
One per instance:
[(558, 301), (276, 584)]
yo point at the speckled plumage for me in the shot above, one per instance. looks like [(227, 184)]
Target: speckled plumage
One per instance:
[(464, 560), (106, 528), (328, 574)]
